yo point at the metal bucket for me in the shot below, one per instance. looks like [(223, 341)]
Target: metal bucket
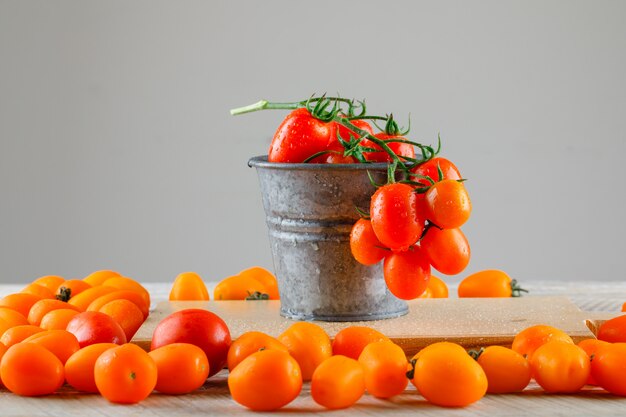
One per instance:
[(310, 210)]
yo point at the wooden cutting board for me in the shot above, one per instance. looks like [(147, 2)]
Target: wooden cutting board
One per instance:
[(471, 322)]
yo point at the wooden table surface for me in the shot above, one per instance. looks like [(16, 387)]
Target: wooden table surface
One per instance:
[(213, 398)]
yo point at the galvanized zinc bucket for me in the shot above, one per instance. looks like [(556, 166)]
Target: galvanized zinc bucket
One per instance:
[(310, 210)]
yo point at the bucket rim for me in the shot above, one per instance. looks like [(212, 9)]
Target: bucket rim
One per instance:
[(262, 162)]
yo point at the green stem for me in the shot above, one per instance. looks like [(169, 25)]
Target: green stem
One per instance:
[(265, 105)]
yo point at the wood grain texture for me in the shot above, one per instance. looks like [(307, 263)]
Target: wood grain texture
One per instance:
[(471, 322)]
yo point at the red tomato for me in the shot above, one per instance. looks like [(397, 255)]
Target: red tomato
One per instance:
[(447, 250), (448, 204), (91, 327), (608, 368), (298, 137), (365, 246), (614, 330), (429, 169), (407, 273), (399, 148), (394, 216), (198, 327)]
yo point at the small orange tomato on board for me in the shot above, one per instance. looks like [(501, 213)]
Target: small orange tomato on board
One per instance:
[(80, 366), (338, 382), (247, 344), (591, 346), (125, 283), (489, 283), (266, 380), (609, 367), (61, 343), (309, 345), (530, 339), (125, 374), (385, 367), (446, 375), (507, 371), (129, 295), (51, 282), (98, 277), (559, 366), (57, 319), (238, 287), (266, 278), (38, 290), (188, 286), (11, 318), (350, 341), (82, 300), (18, 333), (126, 314), (44, 306), (613, 330), (436, 288), (181, 368), (30, 369), (20, 302)]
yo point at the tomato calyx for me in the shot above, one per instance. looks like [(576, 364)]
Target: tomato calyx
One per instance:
[(256, 296), (65, 293), (516, 290), (410, 374), (475, 354)]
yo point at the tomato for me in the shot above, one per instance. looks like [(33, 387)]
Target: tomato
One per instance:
[(80, 366), (338, 382), (181, 368), (346, 134), (85, 298), (447, 376), (399, 148), (506, 370), (70, 288), (385, 366), (394, 216), (298, 137), (20, 302), (448, 250), (447, 204), (613, 330), (91, 327), (188, 286), (350, 341), (559, 366), (591, 346), (18, 333), (608, 368), (266, 380), (38, 290), (237, 287), (624, 307), (51, 282), (126, 314), (57, 319), (488, 283), (407, 273), (365, 246), (266, 278), (309, 345), (61, 343), (247, 344), (98, 277), (198, 327), (128, 284), (125, 374), (530, 339), (429, 169), (30, 369), (129, 295), (11, 318), (436, 288)]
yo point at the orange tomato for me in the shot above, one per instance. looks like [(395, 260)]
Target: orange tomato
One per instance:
[(446, 375), (489, 283), (79, 368), (237, 287), (18, 333), (82, 300), (126, 314), (528, 340), (506, 370), (609, 367), (247, 344), (38, 290), (181, 368), (125, 283), (20, 302), (266, 380), (188, 286), (309, 345), (125, 374), (51, 282), (338, 382), (42, 307), (624, 307), (559, 366), (98, 277), (436, 288), (61, 343), (591, 346), (30, 369), (57, 319), (129, 295), (12, 317), (266, 278), (350, 341), (70, 288), (613, 330), (385, 367)]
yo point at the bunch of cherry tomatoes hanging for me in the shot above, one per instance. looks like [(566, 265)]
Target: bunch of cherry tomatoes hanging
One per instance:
[(414, 220)]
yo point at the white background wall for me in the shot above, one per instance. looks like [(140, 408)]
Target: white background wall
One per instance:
[(117, 150)]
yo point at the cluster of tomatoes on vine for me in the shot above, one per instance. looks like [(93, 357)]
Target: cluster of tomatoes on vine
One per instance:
[(414, 220)]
